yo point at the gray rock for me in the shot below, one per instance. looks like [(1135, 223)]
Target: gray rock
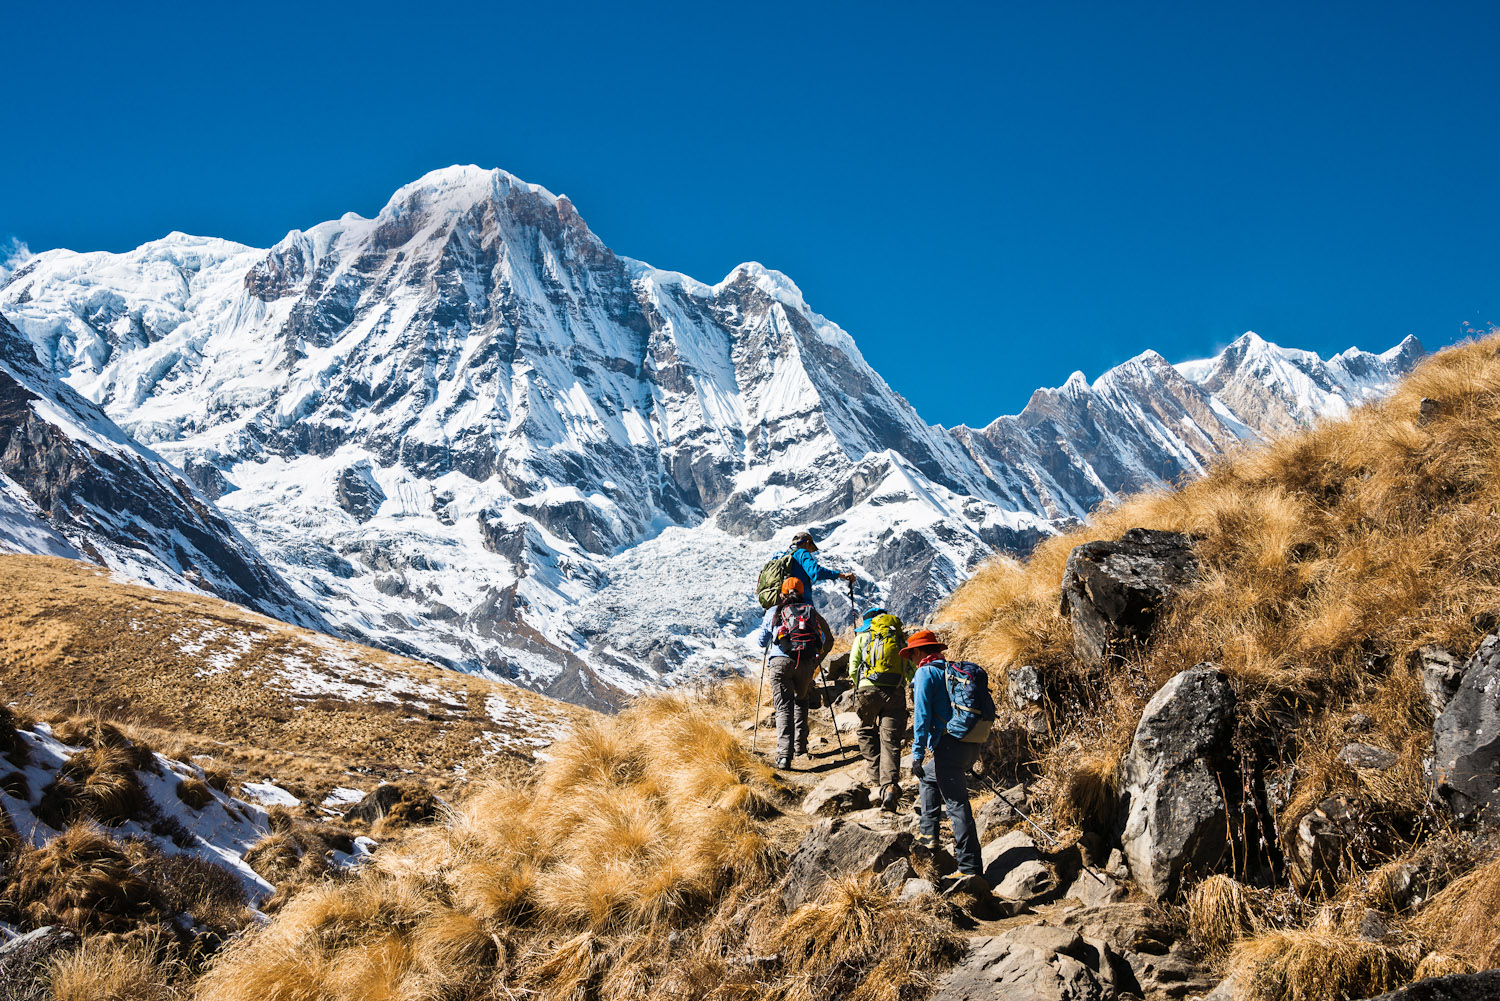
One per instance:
[(1175, 814), (1483, 986), (1028, 882), (1024, 685), (1466, 739), (996, 814), (839, 793), (1091, 891), (914, 888), (847, 722), (834, 847), (1112, 591), (357, 492), (1003, 854), (1030, 963), (1367, 757), (974, 896), (1331, 840), (1441, 675), (1151, 944), (897, 874)]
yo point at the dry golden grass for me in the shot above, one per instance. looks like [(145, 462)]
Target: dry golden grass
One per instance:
[(1220, 913), (113, 970), (83, 881), (1464, 919), (631, 868), (1329, 557), (128, 666), (1317, 966)]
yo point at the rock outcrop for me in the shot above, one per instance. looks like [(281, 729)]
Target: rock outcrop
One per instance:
[(836, 847), (1466, 739), (1113, 591), (1170, 781)]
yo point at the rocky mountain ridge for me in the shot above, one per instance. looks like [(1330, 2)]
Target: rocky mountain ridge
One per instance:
[(468, 430)]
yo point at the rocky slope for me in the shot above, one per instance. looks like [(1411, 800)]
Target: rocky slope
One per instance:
[(467, 429)]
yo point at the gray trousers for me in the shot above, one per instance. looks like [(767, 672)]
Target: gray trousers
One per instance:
[(945, 786), (882, 724), (791, 686)]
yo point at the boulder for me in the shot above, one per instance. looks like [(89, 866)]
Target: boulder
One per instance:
[(973, 896), (1031, 963), (996, 814), (407, 802), (898, 874), (1028, 882), (1483, 986), (1175, 816), (1003, 854), (1161, 962), (1466, 739), (1094, 890), (835, 847), (839, 793), (1112, 591), (1336, 840), (1441, 675)]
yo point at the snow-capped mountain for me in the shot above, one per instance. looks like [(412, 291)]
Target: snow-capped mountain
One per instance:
[(467, 429), (72, 484)]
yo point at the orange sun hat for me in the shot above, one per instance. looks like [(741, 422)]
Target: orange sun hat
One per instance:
[(920, 639)]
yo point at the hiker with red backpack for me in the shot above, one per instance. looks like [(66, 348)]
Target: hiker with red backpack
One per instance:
[(880, 675), (954, 715), (796, 639)]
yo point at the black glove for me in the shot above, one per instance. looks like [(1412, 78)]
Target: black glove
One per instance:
[(916, 770)]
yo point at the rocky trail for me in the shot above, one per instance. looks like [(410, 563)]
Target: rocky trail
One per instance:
[(1049, 920)]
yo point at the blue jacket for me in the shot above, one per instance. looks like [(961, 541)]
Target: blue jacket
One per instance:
[(807, 569), (933, 710), (767, 635)]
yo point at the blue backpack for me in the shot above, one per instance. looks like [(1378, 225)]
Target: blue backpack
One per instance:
[(973, 706)]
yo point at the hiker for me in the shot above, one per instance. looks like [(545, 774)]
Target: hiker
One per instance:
[(954, 713), (797, 638), (880, 675), (798, 562)]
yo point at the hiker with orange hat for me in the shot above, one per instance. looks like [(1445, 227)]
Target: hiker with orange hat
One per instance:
[(796, 639), (950, 714)]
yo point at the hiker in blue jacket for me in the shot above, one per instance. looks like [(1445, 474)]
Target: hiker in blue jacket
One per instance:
[(806, 568), (940, 761)]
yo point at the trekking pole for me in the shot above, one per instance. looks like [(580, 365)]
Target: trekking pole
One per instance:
[(835, 721), (853, 615), (759, 688), (1050, 839)]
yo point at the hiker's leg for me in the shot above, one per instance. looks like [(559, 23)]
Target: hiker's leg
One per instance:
[(892, 730), (867, 707), (801, 708), (784, 695), (932, 801), (951, 761)]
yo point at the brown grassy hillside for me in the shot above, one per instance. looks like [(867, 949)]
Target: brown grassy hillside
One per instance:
[(199, 676), (1330, 558)]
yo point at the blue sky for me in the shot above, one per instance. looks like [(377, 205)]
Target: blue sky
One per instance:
[(987, 197)]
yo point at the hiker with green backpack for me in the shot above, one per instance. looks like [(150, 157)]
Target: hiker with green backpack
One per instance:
[(880, 675), (797, 562)]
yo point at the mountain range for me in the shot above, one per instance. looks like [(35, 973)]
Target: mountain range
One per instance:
[(467, 430)]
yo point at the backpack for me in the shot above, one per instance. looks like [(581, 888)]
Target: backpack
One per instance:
[(883, 663), (797, 631), (772, 576), (973, 706)]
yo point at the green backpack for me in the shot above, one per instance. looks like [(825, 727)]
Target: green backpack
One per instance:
[(883, 663), (772, 576)]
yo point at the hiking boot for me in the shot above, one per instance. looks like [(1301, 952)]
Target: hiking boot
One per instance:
[(802, 751), (785, 764), (928, 841), (890, 798)]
